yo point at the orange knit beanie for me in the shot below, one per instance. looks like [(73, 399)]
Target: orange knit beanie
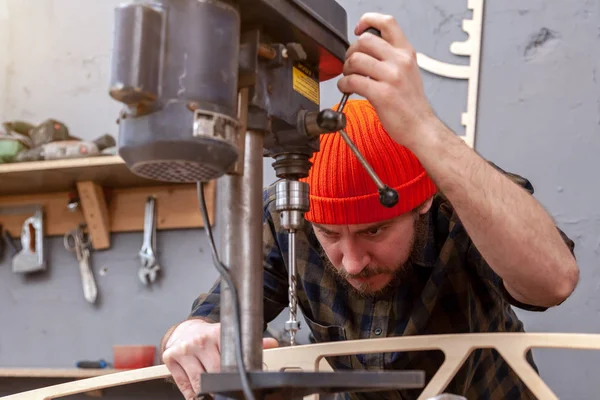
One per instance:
[(341, 191)]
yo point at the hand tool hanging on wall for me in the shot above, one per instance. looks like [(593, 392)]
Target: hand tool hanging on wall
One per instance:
[(77, 241), (85, 364), (31, 256), (149, 265)]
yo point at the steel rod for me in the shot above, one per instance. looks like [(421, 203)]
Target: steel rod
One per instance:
[(362, 160), (378, 182), (241, 244)]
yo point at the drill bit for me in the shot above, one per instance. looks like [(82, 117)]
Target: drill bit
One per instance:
[(292, 324)]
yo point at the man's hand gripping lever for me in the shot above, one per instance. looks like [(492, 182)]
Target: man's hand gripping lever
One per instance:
[(334, 121)]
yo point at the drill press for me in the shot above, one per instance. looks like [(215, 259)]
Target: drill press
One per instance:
[(210, 88)]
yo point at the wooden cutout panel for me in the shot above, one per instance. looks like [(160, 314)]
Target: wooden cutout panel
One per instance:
[(471, 48), (456, 348)]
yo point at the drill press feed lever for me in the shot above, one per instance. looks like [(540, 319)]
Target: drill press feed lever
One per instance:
[(209, 89), (328, 121)]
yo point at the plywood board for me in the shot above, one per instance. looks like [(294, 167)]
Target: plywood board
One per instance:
[(513, 347), (54, 372)]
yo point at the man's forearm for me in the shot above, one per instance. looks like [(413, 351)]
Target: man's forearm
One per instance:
[(508, 226)]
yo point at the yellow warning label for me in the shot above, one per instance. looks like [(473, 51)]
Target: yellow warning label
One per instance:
[(305, 83)]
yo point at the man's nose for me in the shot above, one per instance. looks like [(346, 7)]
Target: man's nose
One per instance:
[(354, 259)]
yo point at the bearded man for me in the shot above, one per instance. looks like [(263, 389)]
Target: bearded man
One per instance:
[(465, 243)]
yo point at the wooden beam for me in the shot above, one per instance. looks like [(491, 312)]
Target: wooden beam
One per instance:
[(177, 207), (58, 219), (52, 176), (95, 213)]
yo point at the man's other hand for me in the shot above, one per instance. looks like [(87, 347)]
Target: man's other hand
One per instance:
[(194, 348)]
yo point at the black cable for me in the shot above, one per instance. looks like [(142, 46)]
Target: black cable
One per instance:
[(225, 274)]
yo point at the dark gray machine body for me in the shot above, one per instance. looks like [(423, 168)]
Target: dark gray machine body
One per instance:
[(176, 67), (160, 71)]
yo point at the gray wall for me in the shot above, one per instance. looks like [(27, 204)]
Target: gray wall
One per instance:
[(539, 116)]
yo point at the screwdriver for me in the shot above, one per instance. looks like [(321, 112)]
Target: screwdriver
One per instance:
[(99, 364), (387, 196)]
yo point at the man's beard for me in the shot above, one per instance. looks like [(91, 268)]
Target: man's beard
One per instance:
[(398, 274)]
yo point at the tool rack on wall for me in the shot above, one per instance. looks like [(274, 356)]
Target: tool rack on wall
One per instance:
[(110, 197)]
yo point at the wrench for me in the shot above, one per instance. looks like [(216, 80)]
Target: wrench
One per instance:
[(78, 242), (149, 265)]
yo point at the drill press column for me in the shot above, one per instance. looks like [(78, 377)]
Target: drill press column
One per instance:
[(241, 249)]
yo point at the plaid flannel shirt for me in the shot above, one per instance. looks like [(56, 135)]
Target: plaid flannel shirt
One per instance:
[(453, 290)]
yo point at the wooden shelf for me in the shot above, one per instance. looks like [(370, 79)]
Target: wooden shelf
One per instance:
[(62, 175), (112, 198), (54, 372)]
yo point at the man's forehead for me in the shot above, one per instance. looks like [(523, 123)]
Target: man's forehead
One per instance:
[(352, 228)]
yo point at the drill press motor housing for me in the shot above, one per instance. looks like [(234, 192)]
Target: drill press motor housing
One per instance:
[(178, 66)]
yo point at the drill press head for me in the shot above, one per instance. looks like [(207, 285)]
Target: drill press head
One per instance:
[(178, 66)]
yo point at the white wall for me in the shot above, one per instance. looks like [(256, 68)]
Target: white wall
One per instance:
[(55, 62), (4, 56)]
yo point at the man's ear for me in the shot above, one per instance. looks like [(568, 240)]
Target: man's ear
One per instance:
[(424, 208)]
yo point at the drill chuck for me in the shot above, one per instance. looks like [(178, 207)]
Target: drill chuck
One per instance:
[(292, 202)]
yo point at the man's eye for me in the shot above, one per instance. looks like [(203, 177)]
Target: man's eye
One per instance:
[(328, 234), (374, 231)]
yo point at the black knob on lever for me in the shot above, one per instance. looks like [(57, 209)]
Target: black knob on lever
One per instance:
[(331, 121), (388, 197)]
